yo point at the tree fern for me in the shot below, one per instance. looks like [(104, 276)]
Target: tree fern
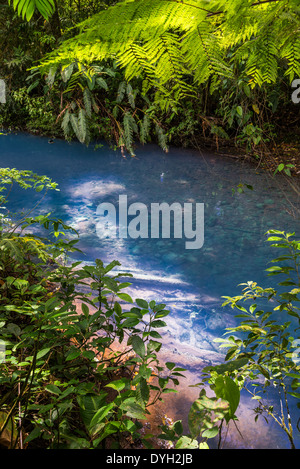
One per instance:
[(130, 95), (168, 42), (130, 127), (262, 61)]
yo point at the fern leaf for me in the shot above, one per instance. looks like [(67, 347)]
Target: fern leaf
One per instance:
[(162, 141), (74, 124), (82, 126), (65, 123), (121, 92), (172, 43), (129, 127), (102, 83)]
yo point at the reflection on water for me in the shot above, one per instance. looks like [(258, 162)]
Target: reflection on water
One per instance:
[(191, 282)]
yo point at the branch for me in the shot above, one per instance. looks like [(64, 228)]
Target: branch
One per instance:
[(213, 13)]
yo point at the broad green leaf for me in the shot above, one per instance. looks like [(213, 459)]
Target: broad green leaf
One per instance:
[(239, 111), (130, 323), (170, 365), (117, 385), (85, 309), (203, 445), (141, 303), (36, 432), (73, 354), (158, 323), (138, 345), (89, 405), (230, 366), (118, 308)]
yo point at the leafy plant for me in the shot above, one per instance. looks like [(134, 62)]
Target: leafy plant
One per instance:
[(72, 378), (193, 38), (266, 340), (27, 9)]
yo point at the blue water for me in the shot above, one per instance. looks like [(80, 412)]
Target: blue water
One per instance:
[(191, 282)]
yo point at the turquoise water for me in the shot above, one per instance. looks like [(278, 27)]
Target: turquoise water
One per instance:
[(191, 282)]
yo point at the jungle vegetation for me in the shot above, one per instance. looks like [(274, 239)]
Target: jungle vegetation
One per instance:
[(170, 71), (182, 73)]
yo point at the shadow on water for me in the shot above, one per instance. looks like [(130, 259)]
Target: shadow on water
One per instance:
[(190, 281)]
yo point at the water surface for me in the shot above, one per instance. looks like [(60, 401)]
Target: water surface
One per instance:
[(191, 282)]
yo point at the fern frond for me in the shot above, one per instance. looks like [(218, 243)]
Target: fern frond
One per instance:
[(167, 41), (290, 51), (27, 8), (65, 123), (130, 95), (128, 131), (144, 128), (87, 99), (121, 92), (262, 63), (82, 126)]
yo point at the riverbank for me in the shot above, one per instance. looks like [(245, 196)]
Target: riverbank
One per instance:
[(283, 149)]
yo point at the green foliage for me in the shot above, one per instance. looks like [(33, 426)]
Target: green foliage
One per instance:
[(27, 8), (232, 51), (219, 73), (71, 378), (36, 110), (264, 345), (206, 415), (190, 38), (92, 102), (262, 354), (286, 168)]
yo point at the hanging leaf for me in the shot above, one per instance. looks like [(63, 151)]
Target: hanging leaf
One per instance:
[(27, 8), (225, 388)]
